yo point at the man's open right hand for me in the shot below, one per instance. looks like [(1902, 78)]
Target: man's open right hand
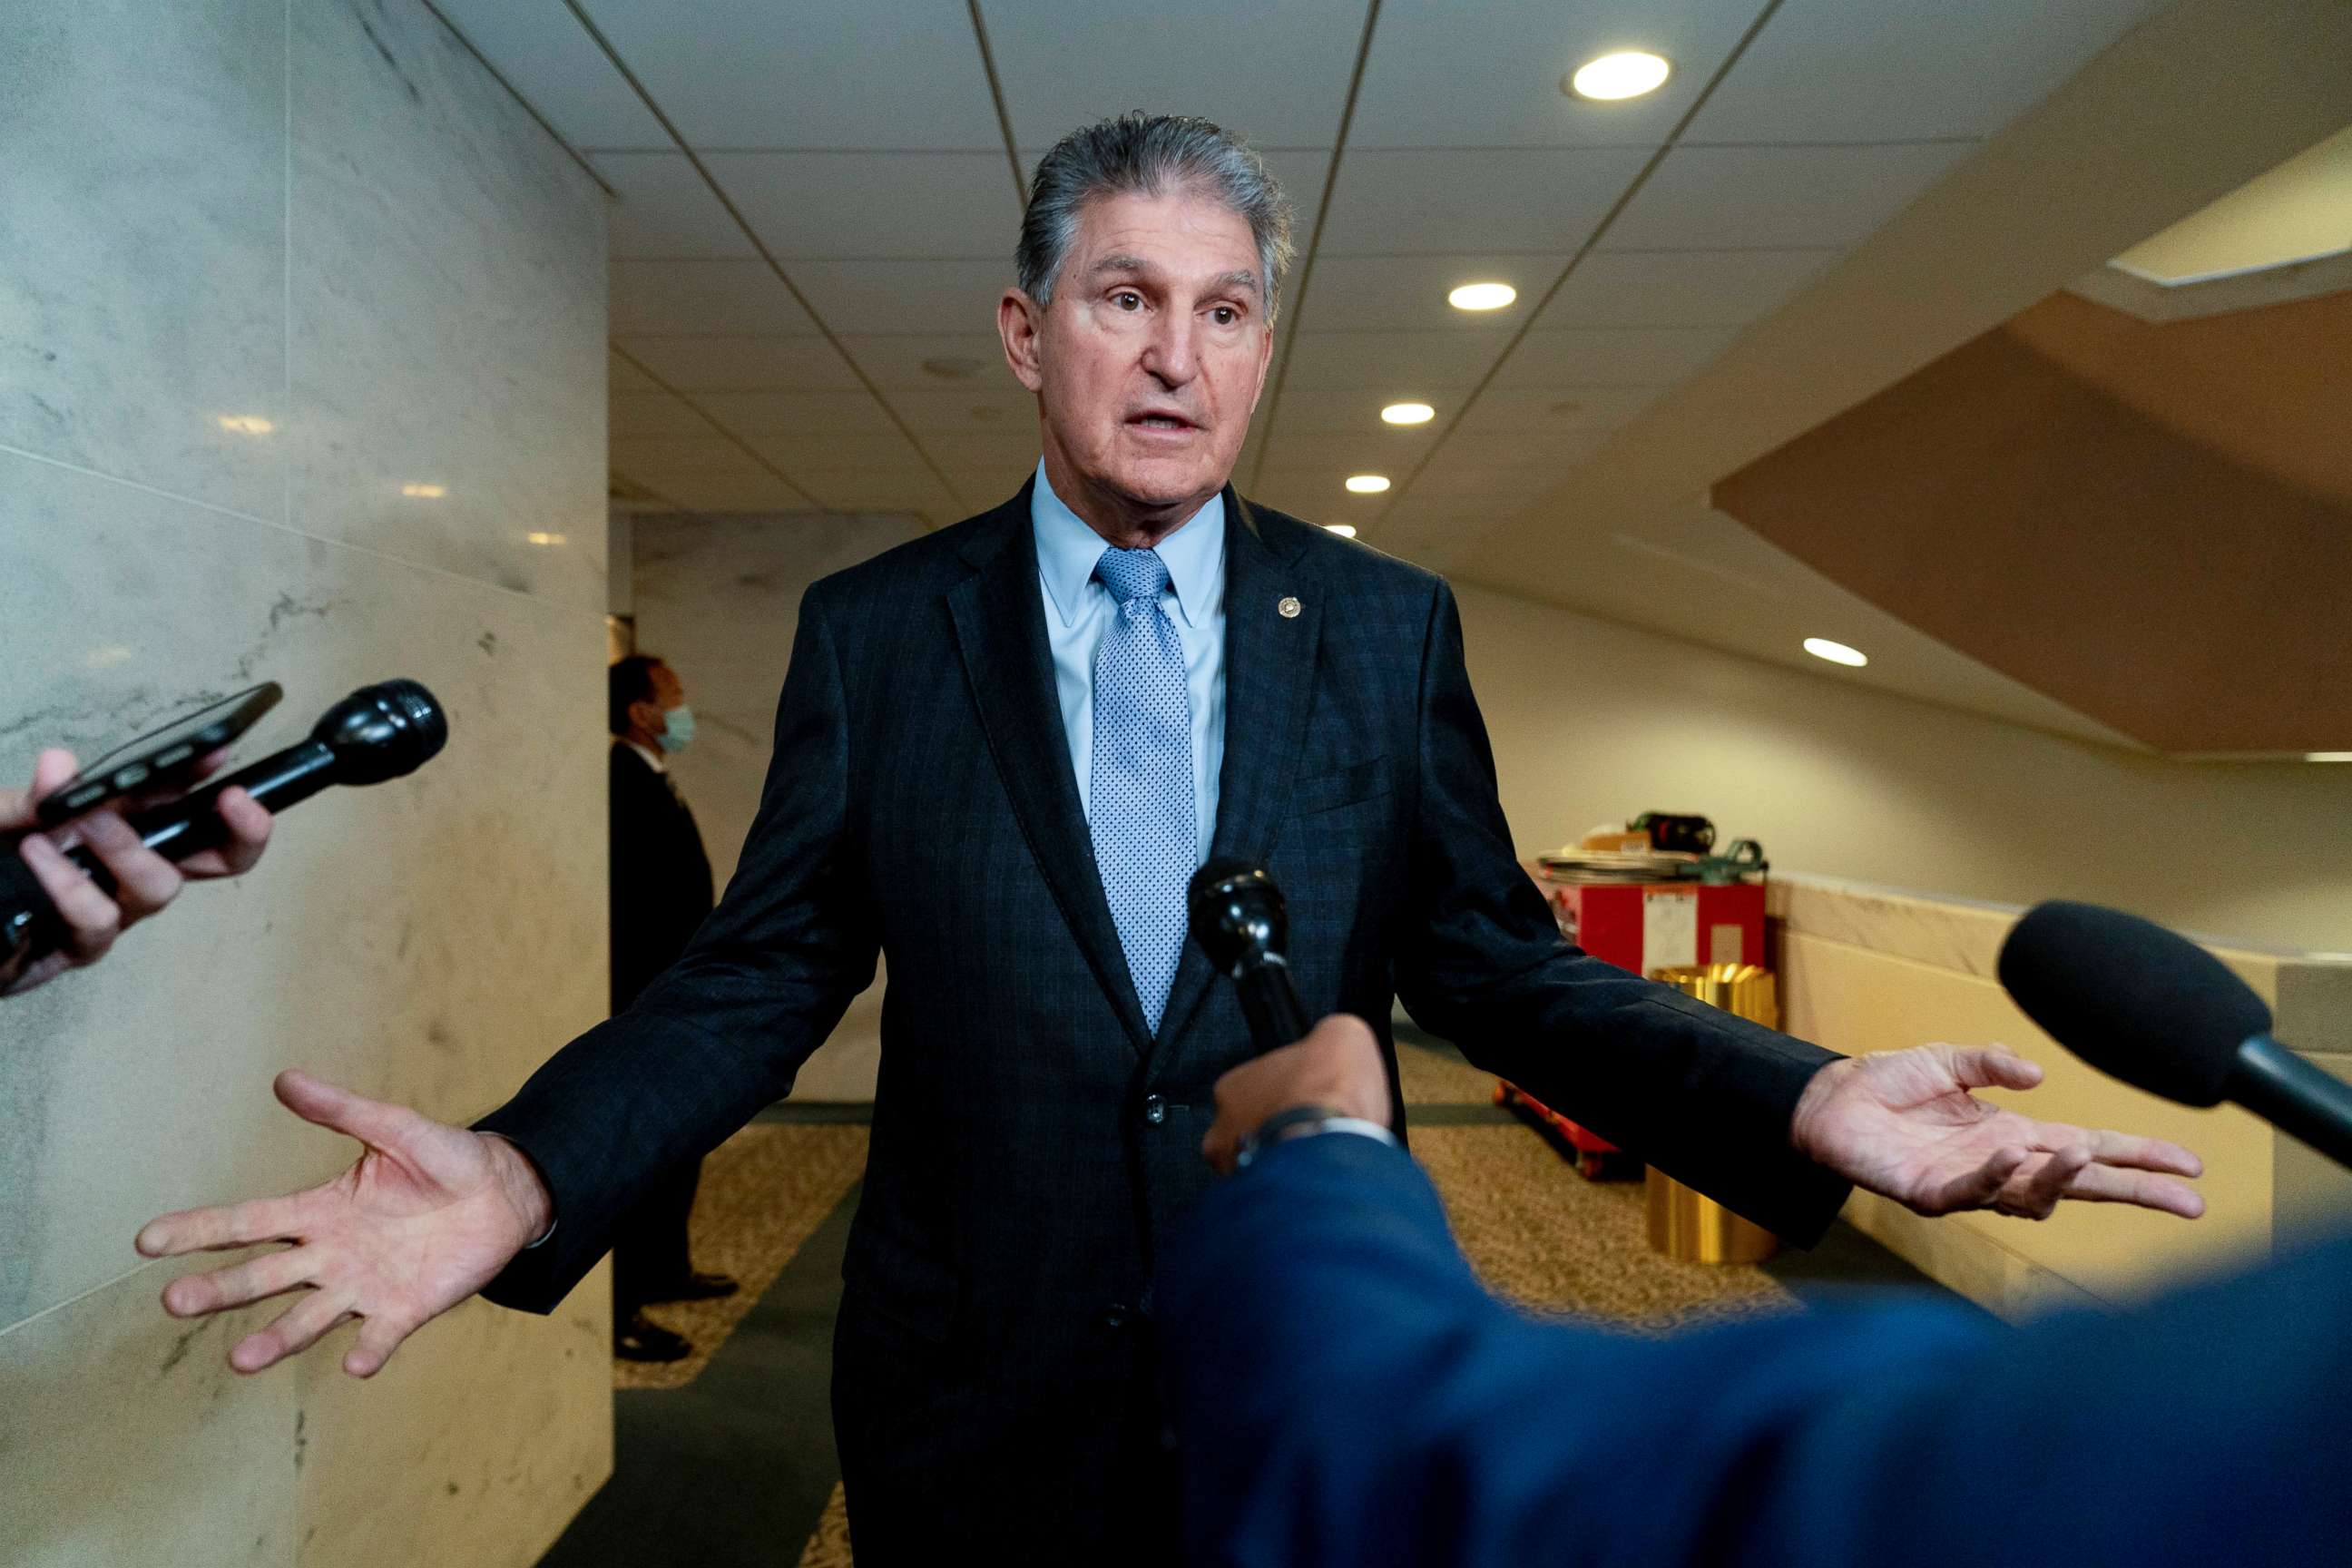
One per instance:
[(428, 1216)]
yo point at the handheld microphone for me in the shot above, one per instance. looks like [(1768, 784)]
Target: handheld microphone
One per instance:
[(2153, 1009), (378, 733), (1237, 918)]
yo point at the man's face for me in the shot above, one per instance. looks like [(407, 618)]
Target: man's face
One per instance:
[(668, 694), (1149, 362)]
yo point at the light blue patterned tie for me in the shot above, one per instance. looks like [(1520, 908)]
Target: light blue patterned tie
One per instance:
[(1139, 803)]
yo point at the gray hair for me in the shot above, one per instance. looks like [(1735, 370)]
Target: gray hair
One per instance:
[(1148, 154)]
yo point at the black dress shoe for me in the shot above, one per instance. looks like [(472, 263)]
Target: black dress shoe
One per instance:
[(698, 1287), (639, 1338)]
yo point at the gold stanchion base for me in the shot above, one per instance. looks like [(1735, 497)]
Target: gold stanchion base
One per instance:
[(1687, 1225)]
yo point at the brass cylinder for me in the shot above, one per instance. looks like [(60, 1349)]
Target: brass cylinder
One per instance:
[(1684, 1223)]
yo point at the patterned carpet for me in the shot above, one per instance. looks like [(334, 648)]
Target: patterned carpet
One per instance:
[(1535, 1231), (762, 1192)]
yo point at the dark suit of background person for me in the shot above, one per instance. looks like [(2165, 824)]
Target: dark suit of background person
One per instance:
[(1033, 1142), (1347, 1394), (661, 892)]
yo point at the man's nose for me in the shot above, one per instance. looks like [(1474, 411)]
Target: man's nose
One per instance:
[(1172, 356)]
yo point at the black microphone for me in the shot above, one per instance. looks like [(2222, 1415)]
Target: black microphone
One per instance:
[(1237, 918), (378, 733), (2153, 1009)]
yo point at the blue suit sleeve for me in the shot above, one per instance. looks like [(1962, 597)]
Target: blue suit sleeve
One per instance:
[(1346, 1392)]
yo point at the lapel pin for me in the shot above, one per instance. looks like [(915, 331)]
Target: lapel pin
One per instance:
[(1290, 608)]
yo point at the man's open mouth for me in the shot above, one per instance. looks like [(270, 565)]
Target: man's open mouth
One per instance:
[(1160, 421)]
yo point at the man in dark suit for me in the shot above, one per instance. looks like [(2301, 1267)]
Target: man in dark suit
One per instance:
[(1067, 702), (1347, 1394), (661, 894)]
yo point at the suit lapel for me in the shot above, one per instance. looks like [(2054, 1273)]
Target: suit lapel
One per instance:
[(1269, 687), (1000, 622)]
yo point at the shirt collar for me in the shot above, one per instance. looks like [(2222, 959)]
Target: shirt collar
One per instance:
[(653, 758), (1068, 549)]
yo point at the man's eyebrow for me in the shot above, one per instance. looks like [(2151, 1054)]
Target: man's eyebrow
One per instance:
[(1122, 262), (1240, 278)]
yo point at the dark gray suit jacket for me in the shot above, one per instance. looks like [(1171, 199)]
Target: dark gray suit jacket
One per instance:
[(1032, 1140)]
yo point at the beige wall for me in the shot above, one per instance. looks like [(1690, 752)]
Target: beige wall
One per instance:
[(328, 218), (1593, 721), (1865, 969), (719, 599)]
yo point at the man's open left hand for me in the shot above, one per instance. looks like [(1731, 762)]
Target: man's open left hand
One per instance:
[(1903, 1124)]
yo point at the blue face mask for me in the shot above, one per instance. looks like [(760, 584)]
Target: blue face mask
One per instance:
[(678, 728)]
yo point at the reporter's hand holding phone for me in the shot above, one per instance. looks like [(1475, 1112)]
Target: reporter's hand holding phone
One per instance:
[(145, 880)]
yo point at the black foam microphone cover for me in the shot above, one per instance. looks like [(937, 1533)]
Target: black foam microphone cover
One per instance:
[(1239, 919), (2131, 998)]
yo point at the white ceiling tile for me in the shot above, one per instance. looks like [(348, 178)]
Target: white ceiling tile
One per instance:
[(1611, 356), (1373, 451), (662, 207), (1680, 287), (697, 364), (663, 456), (1342, 410), (975, 361), (750, 414), (654, 414), (557, 68), (1906, 68), (864, 489), (807, 205), (1009, 453), (1539, 200), (947, 296), (1712, 198), (734, 492), (1317, 495), (1446, 75), (815, 73), (796, 450), (1536, 413), (981, 489), (980, 411), (672, 296), (1402, 293), (621, 377), (1277, 74), (1380, 361)]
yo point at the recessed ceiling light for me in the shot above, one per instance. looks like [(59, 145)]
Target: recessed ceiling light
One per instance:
[(1629, 73), (1835, 652), (1344, 529), (2327, 756), (536, 537), (424, 492), (246, 424), (1408, 414), (1368, 484), (1482, 296)]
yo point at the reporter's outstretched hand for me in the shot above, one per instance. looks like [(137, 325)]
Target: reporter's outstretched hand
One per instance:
[(429, 1215), (146, 882), (1337, 1066)]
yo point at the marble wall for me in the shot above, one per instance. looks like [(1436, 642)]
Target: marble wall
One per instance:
[(718, 599), (301, 324)]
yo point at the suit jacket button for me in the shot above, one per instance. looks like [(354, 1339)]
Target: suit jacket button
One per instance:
[(1155, 1110)]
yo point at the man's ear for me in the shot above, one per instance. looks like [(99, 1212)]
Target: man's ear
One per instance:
[(1020, 322)]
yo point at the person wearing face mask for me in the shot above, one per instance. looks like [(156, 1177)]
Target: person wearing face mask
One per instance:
[(661, 893)]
